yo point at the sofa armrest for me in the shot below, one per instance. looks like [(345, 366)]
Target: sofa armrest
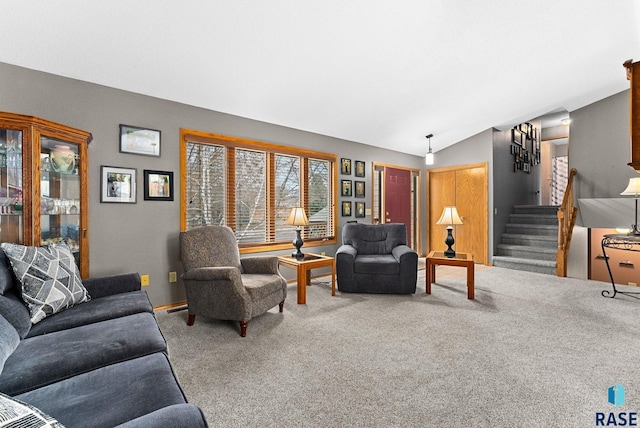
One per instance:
[(213, 273), (347, 253), (111, 285), (260, 264), (404, 252), (177, 415)]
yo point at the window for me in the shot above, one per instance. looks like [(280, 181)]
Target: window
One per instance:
[(251, 187)]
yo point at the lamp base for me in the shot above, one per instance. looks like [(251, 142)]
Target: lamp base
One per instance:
[(449, 252), (298, 243)]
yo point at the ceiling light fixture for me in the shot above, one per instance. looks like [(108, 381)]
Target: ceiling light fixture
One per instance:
[(566, 121), (429, 159)]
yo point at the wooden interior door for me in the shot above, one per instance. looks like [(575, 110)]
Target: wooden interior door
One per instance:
[(397, 198), (466, 187), (441, 194)]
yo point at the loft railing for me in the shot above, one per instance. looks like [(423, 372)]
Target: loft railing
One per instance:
[(566, 220)]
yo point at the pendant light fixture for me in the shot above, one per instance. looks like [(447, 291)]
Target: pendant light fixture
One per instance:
[(429, 159)]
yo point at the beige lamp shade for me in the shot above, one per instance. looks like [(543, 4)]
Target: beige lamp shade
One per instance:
[(449, 216), (633, 189), (297, 217)]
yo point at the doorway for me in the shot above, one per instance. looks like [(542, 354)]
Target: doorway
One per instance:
[(466, 188), (396, 193)]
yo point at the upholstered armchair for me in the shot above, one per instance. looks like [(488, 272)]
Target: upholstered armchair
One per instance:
[(375, 258), (221, 285)]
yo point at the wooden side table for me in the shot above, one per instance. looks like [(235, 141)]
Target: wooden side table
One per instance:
[(303, 268), (461, 259)]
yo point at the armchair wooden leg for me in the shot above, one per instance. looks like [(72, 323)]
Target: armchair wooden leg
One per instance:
[(243, 328), (281, 306), (191, 319)]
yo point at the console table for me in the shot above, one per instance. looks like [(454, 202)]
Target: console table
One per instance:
[(619, 242)]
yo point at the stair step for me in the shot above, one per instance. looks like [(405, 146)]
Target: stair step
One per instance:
[(527, 252), (529, 265), (536, 209), (533, 219), (530, 240), (532, 229)]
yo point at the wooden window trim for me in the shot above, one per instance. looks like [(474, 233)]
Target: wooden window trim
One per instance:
[(233, 143)]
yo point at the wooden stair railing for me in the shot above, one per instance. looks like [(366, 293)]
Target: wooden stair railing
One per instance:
[(566, 220)]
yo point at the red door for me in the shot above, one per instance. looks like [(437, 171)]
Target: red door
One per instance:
[(397, 199)]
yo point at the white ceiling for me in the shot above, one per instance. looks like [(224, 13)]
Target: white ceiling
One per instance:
[(384, 73)]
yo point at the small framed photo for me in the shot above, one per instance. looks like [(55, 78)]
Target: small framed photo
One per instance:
[(346, 208), (359, 169), (359, 189), (345, 166), (516, 137), (117, 184), (139, 141), (360, 210), (158, 185), (345, 187)]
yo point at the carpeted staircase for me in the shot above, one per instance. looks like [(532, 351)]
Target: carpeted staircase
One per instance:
[(530, 241)]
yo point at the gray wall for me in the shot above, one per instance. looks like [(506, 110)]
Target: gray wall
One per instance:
[(475, 149), (599, 147), (143, 237)]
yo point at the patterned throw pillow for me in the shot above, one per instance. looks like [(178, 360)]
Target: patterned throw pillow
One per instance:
[(48, 276), (15, 413)]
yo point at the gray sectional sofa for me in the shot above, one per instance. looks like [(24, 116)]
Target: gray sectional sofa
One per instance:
[(101, 363)]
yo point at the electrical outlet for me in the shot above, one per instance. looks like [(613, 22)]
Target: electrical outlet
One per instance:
[(144, 280), (173, 277)]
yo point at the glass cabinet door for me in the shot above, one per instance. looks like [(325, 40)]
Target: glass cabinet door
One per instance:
[(60, 193), (11, 221)]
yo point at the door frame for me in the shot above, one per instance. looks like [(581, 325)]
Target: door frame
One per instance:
[(377, 199), (484, 196)]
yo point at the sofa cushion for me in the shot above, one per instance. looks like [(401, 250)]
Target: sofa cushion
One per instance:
[(16, 414), (110, 395), (49, 358), (48, 276), (14, 310), (95, 310), (374, 238), (377, 264), (9, 340), (176, 415)]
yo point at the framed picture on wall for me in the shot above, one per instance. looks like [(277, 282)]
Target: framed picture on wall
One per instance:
[(360, 210), (516, 136), (158, 185), (359, 189), (345, 166), (346, 208), (117, 184), (139, 141), (345, 188), (359, 169)]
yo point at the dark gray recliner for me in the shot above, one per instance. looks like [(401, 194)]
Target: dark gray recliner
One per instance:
[(375, 258)]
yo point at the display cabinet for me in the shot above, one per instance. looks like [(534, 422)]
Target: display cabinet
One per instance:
[(44, 184)]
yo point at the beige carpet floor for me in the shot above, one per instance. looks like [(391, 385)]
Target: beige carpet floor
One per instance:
[(530, 350)]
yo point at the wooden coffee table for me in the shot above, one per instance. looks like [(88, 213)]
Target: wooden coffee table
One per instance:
[(461, 259), (303, 268)]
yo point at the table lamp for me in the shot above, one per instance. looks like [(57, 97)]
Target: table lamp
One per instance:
[(449, 217), (297, 218), (633, 189)]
